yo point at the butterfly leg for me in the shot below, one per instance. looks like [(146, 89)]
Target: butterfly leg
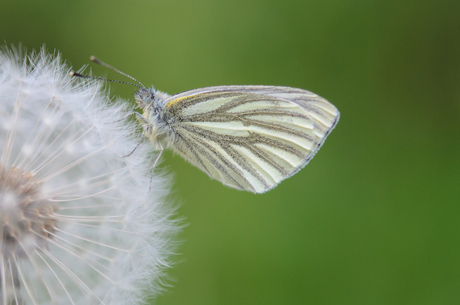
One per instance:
[(138, 144), (157, 157), (126, 116), (154, 162), (141, 118), (147, 127)]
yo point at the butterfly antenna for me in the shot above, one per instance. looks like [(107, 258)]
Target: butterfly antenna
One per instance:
[(97, 61), (73, 73)]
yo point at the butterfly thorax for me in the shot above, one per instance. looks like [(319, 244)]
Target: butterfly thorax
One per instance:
[(157, 121)]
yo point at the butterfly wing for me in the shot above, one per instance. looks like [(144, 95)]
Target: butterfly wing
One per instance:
[(250, 137)]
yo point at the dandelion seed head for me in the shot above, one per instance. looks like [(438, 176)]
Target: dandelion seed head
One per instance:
[(77, 223)]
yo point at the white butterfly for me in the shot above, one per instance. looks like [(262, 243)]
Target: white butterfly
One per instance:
[(247, 137)]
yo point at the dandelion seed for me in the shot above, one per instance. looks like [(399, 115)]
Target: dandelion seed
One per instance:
[(77, 223)]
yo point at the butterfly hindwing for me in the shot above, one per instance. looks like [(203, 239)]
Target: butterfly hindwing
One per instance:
[(250, 137)]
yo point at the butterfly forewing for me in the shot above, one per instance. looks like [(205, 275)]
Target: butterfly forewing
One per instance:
[(250, 137)]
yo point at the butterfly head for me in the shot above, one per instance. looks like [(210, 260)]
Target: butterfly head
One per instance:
[(144, 97), (150, 98)]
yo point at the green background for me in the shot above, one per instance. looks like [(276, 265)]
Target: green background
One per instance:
[(375, 217)]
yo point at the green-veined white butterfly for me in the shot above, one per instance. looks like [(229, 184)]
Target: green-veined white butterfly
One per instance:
[(247, 137)]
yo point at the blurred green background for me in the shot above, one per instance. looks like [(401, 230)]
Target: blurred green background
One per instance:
[(375, 217)]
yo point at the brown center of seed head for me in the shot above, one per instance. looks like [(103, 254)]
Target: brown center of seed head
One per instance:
[(26, 217)]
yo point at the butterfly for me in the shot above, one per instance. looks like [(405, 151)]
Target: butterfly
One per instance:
[(247, 137)]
